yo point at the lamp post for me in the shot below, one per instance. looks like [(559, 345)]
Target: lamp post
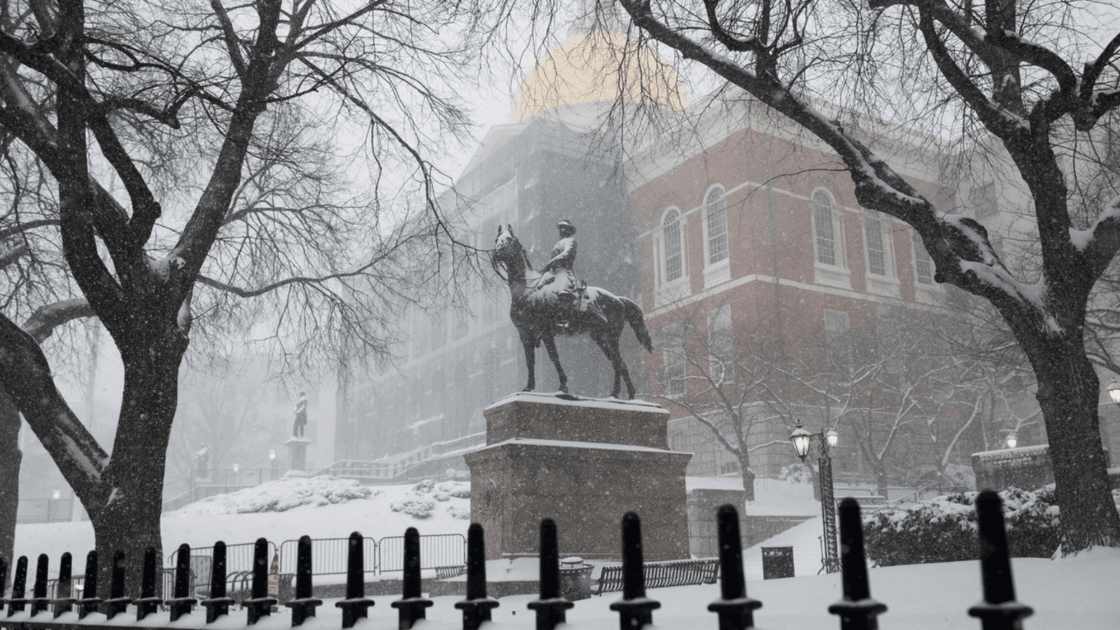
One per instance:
[(1012, 440), (1114, 392), (52, 508), (801, 440), (272, 460)]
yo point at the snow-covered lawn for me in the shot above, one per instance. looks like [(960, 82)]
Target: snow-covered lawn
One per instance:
[(1080, 592)]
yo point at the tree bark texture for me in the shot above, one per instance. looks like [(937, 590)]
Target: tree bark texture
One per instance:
[(10, 459)]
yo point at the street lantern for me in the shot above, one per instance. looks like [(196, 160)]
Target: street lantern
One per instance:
[(800, 439), (56, 495), (1012, 440), (832, 437), (272, 455), (1114, 392), (236, 467)]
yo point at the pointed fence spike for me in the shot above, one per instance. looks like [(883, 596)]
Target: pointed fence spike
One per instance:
[(476, 607), (18, 603), (857, 611), (550, 607), (411, 606), (3, 581), (303, 606), (148, 602), (550, 560), (89, 601), (260, 604), (735, 609), (39, 601), (303, 568), (182, 603), (356, 605), (999, 610), (63, 601), (217, 604), (634, 609), (117, 602)]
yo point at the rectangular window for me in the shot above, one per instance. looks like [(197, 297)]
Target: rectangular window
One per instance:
[(923, 264), (876, 248), (721, 347), (825, 235), (672, 349), (717, 226)]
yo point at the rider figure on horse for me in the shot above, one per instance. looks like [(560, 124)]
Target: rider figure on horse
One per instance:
[(572, 294)]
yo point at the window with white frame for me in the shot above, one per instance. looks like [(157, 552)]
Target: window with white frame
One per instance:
[(721, 347), (923, 264), (877, 244), (715, 225), (827, 241), (673, 364), (672, 247)]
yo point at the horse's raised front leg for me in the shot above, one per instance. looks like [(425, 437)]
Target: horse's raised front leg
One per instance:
[(550, 345), (530, 347)]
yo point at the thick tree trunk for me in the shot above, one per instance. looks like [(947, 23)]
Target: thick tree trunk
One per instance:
[(1068, 392), (10, 458), (129, 519), (748, 475)]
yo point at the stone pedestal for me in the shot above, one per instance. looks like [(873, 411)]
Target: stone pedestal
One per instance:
[(584, 464), (297, 452)]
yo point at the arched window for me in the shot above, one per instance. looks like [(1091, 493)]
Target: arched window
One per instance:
[(671, 242), (827, 244), (715, 225)]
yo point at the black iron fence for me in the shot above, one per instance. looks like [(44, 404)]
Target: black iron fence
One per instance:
[(856, 608)]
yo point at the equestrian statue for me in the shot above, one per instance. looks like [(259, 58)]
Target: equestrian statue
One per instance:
[(553, 302)]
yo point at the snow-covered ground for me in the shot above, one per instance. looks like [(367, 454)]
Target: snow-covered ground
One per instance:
[(1079, 592)]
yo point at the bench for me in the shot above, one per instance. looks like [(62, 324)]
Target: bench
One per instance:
[(446, 573), (663, 574)]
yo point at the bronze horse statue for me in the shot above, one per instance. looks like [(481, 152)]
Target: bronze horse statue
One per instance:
[(538, 312)]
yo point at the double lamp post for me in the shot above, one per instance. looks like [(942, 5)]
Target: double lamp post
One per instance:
[(801, 440)]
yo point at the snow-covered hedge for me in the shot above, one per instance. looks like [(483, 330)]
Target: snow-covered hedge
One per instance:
[(281, 495), (418, 505), (944, 529)]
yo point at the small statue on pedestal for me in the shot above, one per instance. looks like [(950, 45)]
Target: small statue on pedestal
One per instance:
[(301, 416)]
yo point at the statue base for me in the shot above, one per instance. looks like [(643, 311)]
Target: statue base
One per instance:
[(297, 452), (582, 463)]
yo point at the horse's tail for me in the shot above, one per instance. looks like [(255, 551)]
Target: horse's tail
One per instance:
[(637, 322)]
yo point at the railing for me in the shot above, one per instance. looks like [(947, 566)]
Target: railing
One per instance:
[(438, 550), (238, 557), (381, 556), (329, 554), (925, 493), (999, 609)]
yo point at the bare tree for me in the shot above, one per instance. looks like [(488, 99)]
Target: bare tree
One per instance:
[(1002, 66), (188, 108), (721, 382)]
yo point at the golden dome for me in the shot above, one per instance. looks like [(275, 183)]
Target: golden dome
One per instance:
[(597, 67)]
